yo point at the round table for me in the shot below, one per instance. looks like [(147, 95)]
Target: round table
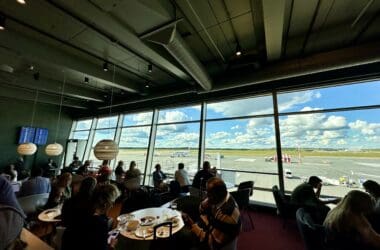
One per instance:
[(160, 213)]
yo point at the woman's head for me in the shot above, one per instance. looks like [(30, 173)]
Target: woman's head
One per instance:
[(104, 197), (132, 165), (355, 203), (372, 187)]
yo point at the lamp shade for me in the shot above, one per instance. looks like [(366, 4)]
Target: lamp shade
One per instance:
[(26, 148), (106, 150), (54, 149)]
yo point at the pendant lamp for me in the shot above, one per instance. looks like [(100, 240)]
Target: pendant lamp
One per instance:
[(107, 149), (55, 149), (29, 148)]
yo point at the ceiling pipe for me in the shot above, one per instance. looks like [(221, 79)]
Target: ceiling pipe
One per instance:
[(322, 62), (171, 40)]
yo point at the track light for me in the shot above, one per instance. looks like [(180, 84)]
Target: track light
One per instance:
[(86, 80), (105, 66), (2, 22), (150, 68), (238, 50), (21, 1)]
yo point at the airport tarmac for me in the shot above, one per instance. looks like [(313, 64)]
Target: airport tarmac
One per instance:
[(331, 169)]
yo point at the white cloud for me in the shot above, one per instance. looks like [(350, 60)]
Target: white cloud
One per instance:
[(235, 127), (219, 135), (173, 116), (335, 122), (142, 118), (365, 128)]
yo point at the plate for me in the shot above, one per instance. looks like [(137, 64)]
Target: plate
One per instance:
[(175, 222), (147, 220), (162, 233), (140, 232), (50, 215)]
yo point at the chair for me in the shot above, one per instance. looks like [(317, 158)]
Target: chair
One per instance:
[(285, 208), (313, 235), (242, 199), (247, 184), (162, 243), (196, 192), (189, 205), (31, 203)]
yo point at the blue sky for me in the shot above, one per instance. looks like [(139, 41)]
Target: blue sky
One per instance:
[(352, 130)]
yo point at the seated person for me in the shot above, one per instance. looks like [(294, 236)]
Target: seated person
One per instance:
[(74, 165), (119, 172), (220, 217), (80, 204), (10, 171), (83, 170), (347, 227), (304, 196), (132, 177), (202, 176), (55, 197), (158, 178), (49, 168), (64, 181), (36, 184), (91, 230), (104, 174), (12, 218), (373, 188), (182, 177)]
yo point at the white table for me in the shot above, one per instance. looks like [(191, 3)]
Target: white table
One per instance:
[(161, 212)]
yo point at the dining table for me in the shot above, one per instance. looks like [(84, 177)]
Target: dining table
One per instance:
[(149, 217)]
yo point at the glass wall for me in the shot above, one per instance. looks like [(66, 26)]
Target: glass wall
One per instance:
[(134, 139), (177, 140), (240, 137), (332, 132)]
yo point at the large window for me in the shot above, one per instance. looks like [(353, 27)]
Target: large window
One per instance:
[(177, 140), (332, 132), (341, 147), (134, 139), (241, 149)]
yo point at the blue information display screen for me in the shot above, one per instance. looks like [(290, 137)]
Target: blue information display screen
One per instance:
[(41, 136), (26, 135)]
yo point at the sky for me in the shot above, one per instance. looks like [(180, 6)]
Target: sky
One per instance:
[(351, 130)]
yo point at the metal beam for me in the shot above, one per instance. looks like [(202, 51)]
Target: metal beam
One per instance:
[(50, 86), (30, 95), (105, 24), (274, 17), (37, 51)]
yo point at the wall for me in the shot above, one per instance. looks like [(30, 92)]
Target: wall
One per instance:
[(16, 113)]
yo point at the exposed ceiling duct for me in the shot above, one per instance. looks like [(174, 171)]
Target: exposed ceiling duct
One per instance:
[(172, 41)]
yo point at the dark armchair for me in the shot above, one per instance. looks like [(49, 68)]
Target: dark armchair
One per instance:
[(313, 234), (285, 209)]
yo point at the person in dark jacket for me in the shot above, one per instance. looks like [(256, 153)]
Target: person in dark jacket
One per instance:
[(202, 176)]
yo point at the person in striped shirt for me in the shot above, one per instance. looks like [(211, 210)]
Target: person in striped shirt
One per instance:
[(220, 220)]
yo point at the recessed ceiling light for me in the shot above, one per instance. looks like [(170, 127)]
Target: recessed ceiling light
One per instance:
[(150, 68), (21, 1), (238, 50), (31, 67), (105, 66), (147, 86), (2, 23)]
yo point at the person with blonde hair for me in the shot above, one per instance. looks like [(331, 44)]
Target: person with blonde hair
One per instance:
[(346, 224), (91, 230)]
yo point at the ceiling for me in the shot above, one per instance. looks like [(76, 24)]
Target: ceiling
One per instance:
[(190, 45)]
